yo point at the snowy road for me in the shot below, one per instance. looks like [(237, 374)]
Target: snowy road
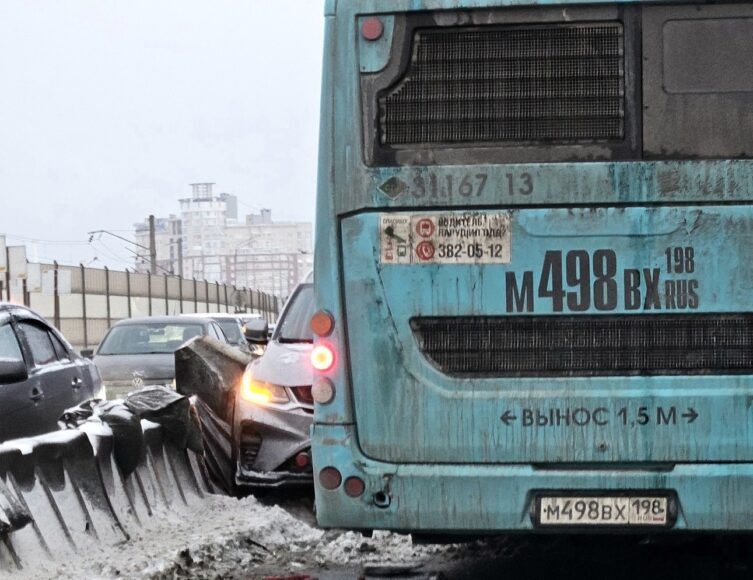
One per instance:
[(229, 538)]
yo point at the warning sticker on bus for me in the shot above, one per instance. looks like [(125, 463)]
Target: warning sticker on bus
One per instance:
[(446, 238)]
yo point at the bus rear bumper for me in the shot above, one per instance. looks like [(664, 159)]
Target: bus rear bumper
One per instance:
[(457, 498)]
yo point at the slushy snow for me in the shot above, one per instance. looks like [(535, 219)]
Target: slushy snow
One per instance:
[(223, 537)]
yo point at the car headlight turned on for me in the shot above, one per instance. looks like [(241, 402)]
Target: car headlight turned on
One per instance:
[(260, 392)]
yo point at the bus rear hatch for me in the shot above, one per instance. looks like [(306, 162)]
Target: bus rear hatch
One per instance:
[(565, 335)]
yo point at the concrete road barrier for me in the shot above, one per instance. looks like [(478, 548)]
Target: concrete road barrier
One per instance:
[(62, 492)]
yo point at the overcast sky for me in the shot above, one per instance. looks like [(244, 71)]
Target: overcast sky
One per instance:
[(110, 108)]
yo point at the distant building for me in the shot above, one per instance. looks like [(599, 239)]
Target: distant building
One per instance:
[(208, 241), (204, 217), (267, 255)]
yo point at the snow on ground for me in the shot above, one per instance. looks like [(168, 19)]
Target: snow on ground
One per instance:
[(224, 537), (229, 539)]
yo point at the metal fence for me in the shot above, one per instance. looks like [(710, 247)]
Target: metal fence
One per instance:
[(84, 302)]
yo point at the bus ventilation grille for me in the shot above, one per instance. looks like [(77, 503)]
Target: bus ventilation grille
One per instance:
[(545, 83), (588, 345)]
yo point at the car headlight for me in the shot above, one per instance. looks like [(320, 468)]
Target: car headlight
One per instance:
[(260, 392)]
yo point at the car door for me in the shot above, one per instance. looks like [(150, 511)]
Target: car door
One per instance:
[(83, 381), (22, 404), (54, 372)]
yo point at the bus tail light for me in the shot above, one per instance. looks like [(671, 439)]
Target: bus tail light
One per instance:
[(322, 323), (354, 486), (372, 29), (330, 478), (323, 391), (322, 357)]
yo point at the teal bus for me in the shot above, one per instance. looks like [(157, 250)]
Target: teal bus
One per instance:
[(534, 267)]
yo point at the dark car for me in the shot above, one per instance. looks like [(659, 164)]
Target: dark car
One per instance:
[(140, 351), (40, 374), (231, 325), (274, 408)]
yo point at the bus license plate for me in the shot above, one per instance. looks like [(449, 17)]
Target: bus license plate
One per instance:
[(602, 511)]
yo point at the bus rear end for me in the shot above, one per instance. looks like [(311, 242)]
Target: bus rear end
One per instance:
[(533, 267)]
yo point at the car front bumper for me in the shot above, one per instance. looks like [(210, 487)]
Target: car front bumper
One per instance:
[(272, 479), (266, 441)]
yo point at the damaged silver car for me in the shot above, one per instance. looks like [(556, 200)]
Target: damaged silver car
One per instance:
[(274, 407)]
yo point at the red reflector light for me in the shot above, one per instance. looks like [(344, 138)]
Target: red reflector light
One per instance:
[(322, 357), (354, 486), (330, 478), (302, 460), (322, 323), (372, 29)]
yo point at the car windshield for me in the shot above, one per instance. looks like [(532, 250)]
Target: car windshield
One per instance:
[(232, 331), (294, 325), (148, 338)]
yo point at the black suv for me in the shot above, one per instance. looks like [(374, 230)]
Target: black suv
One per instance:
[(40, 374)]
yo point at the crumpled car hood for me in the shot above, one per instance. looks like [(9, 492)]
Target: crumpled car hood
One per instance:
[(285, 364)]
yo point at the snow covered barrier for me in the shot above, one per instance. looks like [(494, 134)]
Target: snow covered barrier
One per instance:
[(63, 491)]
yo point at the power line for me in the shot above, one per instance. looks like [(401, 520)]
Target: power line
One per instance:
[(48, 242), (146, 261), (99, 233), (109, 253)]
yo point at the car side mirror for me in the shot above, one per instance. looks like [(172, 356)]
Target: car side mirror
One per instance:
[(87, 353), (12, 371), (256, 331)]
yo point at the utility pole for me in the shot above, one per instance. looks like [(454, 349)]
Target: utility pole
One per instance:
[(7, 273), (180, 256), (152, 246)]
